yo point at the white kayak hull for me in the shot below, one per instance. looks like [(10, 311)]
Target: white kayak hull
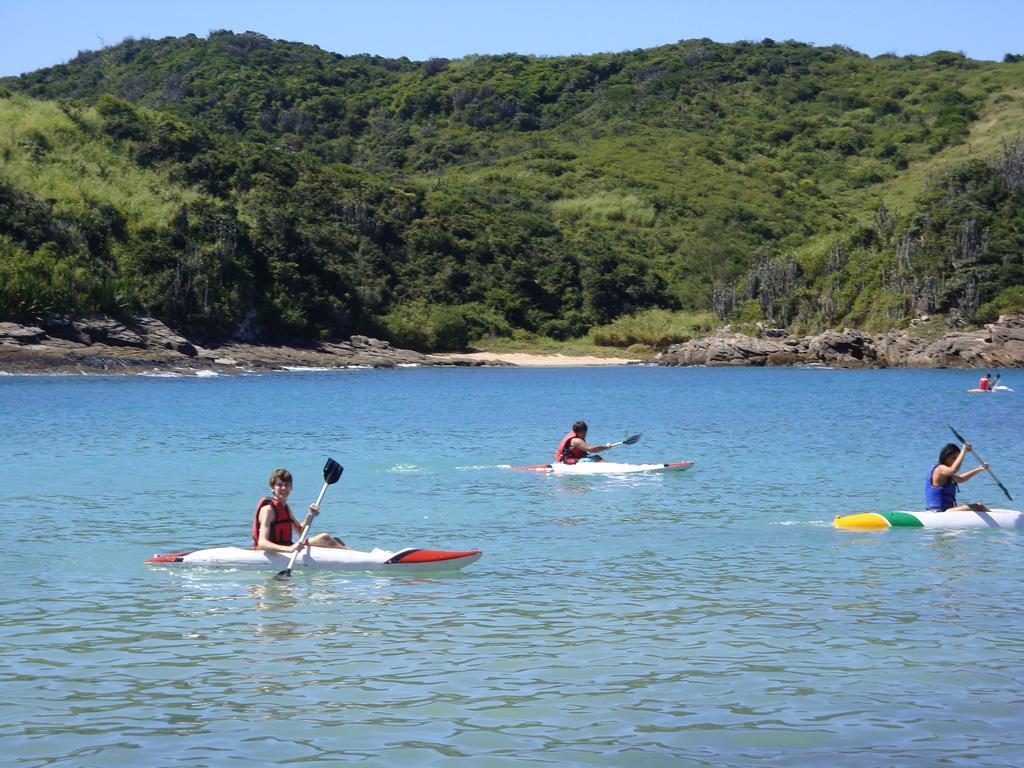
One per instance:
[(880, 521), (400, 561), (607, 468)]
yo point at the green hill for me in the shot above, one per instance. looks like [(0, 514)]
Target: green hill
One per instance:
[(237, 182)]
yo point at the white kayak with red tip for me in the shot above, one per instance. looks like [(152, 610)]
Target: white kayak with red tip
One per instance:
[(606, 468), (403, 561)]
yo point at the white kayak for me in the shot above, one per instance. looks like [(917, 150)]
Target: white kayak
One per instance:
[(402, 561), (880, 521), (606, 468), (997, 388)]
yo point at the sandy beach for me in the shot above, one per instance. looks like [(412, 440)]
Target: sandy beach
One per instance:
[(531, 360)]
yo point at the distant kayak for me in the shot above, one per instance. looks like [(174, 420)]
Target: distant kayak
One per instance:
[(879, 521), (402, 561), (997, 388), (606, 468)]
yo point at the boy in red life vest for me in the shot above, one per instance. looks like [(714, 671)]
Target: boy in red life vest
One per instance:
[(985, 383), (574, 446), (273, 524)]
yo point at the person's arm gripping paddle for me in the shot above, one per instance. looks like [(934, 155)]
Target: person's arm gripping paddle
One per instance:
[(583, 445), (606, 446), (983, 463), (332, 473)]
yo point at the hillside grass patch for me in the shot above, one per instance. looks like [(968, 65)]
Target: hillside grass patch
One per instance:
[(656, 329), (605, 207), (51, 157)]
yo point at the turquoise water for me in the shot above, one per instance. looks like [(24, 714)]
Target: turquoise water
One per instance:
[(713, 618)]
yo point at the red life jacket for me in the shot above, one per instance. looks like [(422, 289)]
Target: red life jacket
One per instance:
[(985, 383), (567, 455), (280, 529)]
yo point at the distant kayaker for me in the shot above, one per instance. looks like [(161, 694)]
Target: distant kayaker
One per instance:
[(574, 446), (274, 523), (985, 383), (941, 486)]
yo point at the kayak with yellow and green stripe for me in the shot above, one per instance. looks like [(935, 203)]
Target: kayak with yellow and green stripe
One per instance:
[(880, 521)]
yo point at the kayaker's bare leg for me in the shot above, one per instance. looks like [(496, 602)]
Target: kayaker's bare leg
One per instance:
[(976, 507), (328, 541)]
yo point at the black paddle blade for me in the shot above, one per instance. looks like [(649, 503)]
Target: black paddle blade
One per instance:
[(282, 575), (631, 440), (332, 471), (957, 435)]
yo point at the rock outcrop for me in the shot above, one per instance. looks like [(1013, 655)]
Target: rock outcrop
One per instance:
[(102, 345), (997, 345), (893, 350)]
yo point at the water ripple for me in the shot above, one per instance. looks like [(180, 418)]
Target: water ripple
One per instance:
[(707, 619)]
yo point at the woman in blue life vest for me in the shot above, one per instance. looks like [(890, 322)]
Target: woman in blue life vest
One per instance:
[(574, 446), (941, 486), (274, 523)]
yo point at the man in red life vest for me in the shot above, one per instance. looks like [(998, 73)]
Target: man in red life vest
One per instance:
[(574, 446), (273, 524)]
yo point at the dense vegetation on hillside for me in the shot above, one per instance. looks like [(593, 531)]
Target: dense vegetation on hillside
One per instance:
[(237, 185)]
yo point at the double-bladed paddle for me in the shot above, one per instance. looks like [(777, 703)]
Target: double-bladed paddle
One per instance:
[(627, 441), (982, 461), (332, 473)]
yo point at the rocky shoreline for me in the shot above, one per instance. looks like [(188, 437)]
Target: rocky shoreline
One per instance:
[(997, 345), (147, 346)]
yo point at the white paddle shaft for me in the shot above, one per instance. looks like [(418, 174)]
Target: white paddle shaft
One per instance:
[(305, 529)]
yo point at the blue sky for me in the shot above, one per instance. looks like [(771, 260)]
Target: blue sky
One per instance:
[(40, 33)]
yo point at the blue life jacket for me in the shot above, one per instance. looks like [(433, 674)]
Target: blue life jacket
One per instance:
[(939, 498)]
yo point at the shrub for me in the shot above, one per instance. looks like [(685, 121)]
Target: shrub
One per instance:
[(441, 328), (1009, 300)]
